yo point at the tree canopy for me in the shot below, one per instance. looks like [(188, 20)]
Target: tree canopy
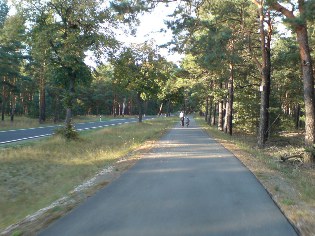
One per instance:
[(240, 70)]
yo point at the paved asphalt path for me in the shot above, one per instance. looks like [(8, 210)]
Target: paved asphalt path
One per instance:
[(188, 186), (11, 136)]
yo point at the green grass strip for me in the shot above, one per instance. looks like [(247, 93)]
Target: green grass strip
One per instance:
[(34, 175)]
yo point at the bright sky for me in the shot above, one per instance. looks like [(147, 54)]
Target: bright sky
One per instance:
[(149, 29)]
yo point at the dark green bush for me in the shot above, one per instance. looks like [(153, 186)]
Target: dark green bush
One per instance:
[(68, 132)]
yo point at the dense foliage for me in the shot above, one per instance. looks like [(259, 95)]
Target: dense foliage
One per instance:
[(256, 75), (248, 65)]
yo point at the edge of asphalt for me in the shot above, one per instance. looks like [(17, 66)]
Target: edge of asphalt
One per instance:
[(297, 230)]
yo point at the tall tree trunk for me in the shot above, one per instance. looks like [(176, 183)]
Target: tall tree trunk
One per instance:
[(210, 104), (2, 110), (70, 101), (210, 110), (139, 101), (3, 99), (297, 116), (42, 98), (160, 110), (207, 108), (12, 106), (221, 112), (114, 106), (266, 77), (308, 84), (300, 26), (55, 108), (225, 115), (214, 121), (229, 104), (123, 107), (221, 115), (12, 113)]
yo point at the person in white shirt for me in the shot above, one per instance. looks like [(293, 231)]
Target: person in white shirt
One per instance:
[(181, 116)]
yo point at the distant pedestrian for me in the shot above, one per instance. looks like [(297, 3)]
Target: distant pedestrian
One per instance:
[(182, 118), (187, 121)]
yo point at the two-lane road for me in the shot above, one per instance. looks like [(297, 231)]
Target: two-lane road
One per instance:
[(11, 136)]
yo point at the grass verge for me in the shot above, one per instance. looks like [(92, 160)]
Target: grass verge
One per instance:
[(34, 175), (291, 185)]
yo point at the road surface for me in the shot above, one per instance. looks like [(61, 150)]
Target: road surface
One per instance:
[(11, 136), (189, 185)]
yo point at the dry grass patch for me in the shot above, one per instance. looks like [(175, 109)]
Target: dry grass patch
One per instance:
[(33, 176)]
